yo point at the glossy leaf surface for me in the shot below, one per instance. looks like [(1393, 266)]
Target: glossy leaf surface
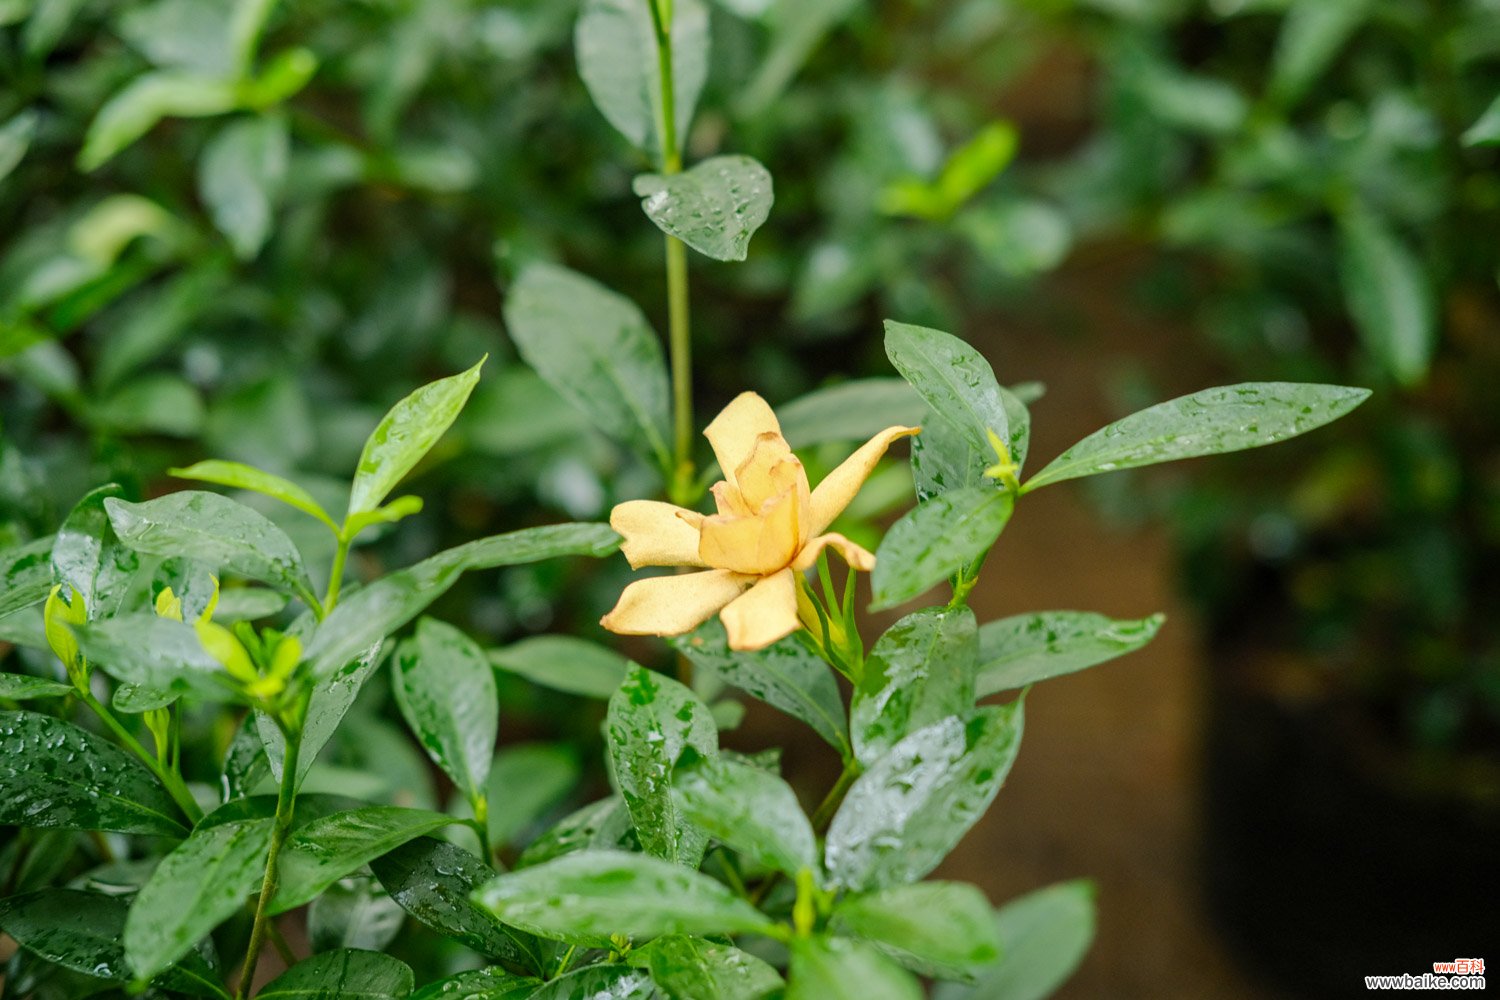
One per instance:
[(445, 689), (714, 207), (749, 810), (936, 540), (1024, 649), (919, 672)]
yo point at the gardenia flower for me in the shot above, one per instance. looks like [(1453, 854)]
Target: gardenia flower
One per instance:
[(769, 526)]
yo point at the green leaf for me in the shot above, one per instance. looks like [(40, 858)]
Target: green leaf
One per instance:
[(599, 982), (785, 675), (1389, 296), (1043, 935), (332, 696), (652, 720), (1208, 422), (23, 687), (1024, 649), (25, 575), (617, 58), (15, 139), (146, 100), (1312, 33), (943, 459), (715, 207), (157, 653), (850, 411), (525, 782), (939, 929), (596, 349), (825, 968), (920, 671), (199, 885), (151, 403), (215, 530), (445, 689), (936, 540), (434, 882), (955, 380), (602, 825), (405, 435), (54, 774), (748, 810), (88, 557), (354, 913), (912, 806), (248, 604), (342, 975), (689, 968), (325, 850), (490, 983), (237, 475), (591, 895), (240, 175), (968, 171), (564, 663), (1484, 132)]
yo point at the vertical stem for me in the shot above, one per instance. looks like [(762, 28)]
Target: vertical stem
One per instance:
[(336, 574), (835, 797), (285, 800), (170, 781)]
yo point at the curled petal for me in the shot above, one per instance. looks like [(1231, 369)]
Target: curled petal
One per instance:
[(734, 431), (770, 471), (834, 493), (672, 605), (763, 614), (761, 544), (657, 534), (728, 500), (856, 556)]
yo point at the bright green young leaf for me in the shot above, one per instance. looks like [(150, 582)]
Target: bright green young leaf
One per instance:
[(489, 983), (564, 663), (602, 825), (405, 435), (748, 810), (617, 58), (1389, 296), (920, 671), (652, 721), (596, 349), (1209, 422), (154, 652), (146, 100), (240, 175), (942, 929), (332, 696), (354, 913), (968, 171), (445, 689), (599, 982), (715, 207), (433, 882), (88, 557), (691, 968), (325, 850), (1024, 649), (1043, 936), (25, 575), (388, 513), (785, 675), (856, 410), (24, 687), (54, 774), (827, 968), (195, 888), (955, 380), (345, 974), (1312, 33), (237, 475), (936, 540), (525, 782), (593, 894), (912, 806)]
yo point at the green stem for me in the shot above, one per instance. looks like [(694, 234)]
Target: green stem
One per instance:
[(285, 802), (336, 574), (170, 781), (481, 806), (835, 797)]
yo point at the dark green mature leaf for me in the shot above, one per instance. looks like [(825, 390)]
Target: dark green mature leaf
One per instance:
[(1024, 649), (325, 850), (955, 380), (240, 176), (617, 58), (25, 575), (446, 691), (602, 825), (345, 974), (405, 435), (23, 687), (935, 540), (850, 411), (1389, 296), (216, 530), (54, 774), (597, 350), (237, 475), (912, 806), (715, 207), (652, 720), (825, 968), (88, 557), (591, 895), (785, 675), (332, 696), (526, 781), (564, 663), (599, 982), (160, 654), (942, 929), (943, 459), (198, 886), (749, 810), (1209, 422), (490, 983), (1043, 935), (690, 968), (434, 881), (354, 913), (920, 671)]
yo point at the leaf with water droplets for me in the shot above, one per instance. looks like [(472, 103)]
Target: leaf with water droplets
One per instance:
[(215, 530), (936, 540), (588, 896), (691, 968), (245, 763), (564, 663), (1043, 936), (912, 806), (617, 57), (921, 670), (332, 696), (652, 721), (405, 435), (490, 983), (327, 849), (25, 575), (599, 982), (345, 974), (954, 379), (1209, 422), (940, 929), (88, 557), (944, 458), (354, 913), (855, 410), (1024, 649), (445, 689), (198, 886), (156, 653), (54, 774), (830, 968), (748, 810), (715, 207), (599, 825), (23, 687)]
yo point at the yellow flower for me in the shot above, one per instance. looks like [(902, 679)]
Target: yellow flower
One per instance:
[(769, 526)]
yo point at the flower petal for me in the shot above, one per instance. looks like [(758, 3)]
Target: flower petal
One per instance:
[(672, 605), (834, 493), (856, 556), (764, 613), (656, 533), (761, 544), (770, 471), (734, 431), (728, 500)]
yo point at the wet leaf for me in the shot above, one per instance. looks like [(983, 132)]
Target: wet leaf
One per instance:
[(564, 663), (159, 654), (491, 983), (955, 380), (920, 671), (826, 968), (332, 696), (445, 689), (1024, 649), (748, 810), (936, 540), (912, 806), (54, 774), (602, 825), (245, 763), (940, 929), (237, 475), (1043, 935), (856, 410), (88, 557), (23, 687), (325, 850), (525, 782), (354, 913), (25, 575), (617, 58), (689, 968), (1389, 296), (714, 207), (345, 974), (599, 982)]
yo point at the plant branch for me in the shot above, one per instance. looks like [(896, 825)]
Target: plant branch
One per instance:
[(285, 804), (169, 779)]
